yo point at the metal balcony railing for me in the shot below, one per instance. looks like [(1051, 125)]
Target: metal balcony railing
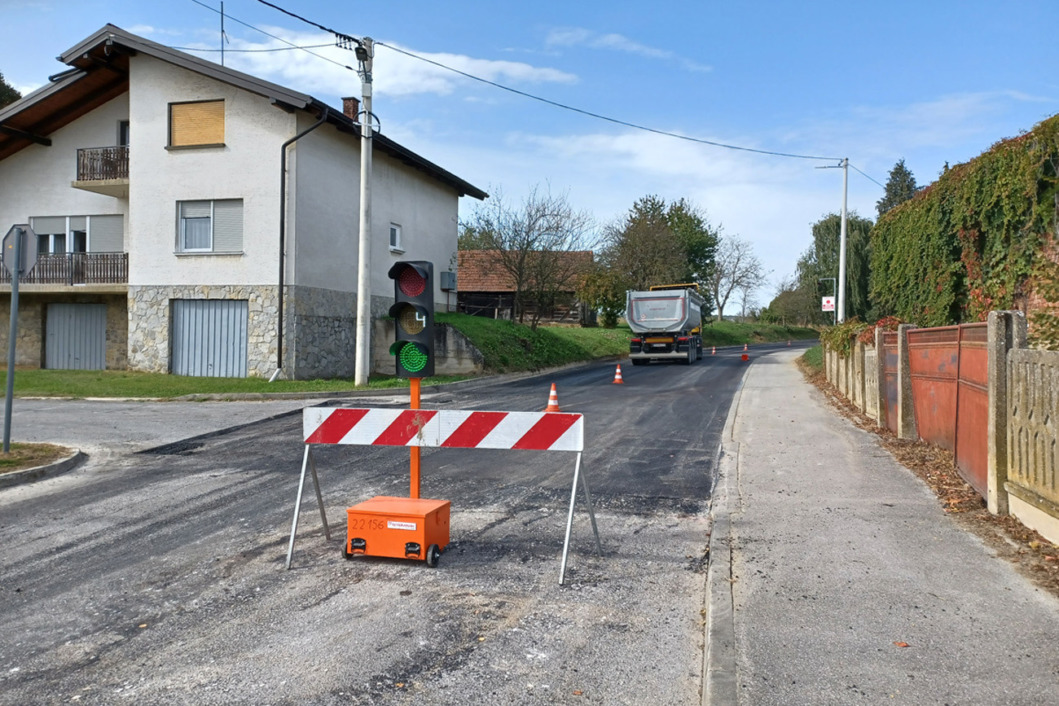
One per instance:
[(75, 268), (103, 163)]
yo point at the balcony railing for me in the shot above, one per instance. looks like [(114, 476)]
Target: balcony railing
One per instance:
[(103, 163), (75, 268)]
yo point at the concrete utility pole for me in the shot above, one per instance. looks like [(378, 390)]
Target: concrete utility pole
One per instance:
[(365, 52), (841, 314)]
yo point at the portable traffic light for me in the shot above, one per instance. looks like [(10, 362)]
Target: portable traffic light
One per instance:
[(413, 313)]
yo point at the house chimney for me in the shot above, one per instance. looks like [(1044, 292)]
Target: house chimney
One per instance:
[(351, 106)]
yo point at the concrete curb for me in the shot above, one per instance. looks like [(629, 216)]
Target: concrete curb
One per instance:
[(719, 658), (50, 470)]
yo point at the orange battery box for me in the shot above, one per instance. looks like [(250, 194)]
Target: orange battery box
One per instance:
[(402, 528)]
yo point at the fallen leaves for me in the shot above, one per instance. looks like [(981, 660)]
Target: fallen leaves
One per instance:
[(902, 644)]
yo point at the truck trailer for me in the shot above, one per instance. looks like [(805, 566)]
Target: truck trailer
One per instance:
[(666, 322)]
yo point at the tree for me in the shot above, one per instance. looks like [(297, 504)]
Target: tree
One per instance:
[(899, 188), (654, 243), (8, 94), (699, 241), (736, 269), (534, 245), (820, 261)]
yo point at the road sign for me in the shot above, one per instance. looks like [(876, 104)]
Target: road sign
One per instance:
[(827, 304), (27, 248)]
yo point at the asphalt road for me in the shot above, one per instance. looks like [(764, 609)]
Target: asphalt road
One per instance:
[(157, 575)]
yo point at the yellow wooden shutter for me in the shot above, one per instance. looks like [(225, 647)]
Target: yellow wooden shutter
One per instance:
[(196, 123)]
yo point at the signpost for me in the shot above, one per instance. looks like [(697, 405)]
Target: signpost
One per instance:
[(20, 254), (827, 304)]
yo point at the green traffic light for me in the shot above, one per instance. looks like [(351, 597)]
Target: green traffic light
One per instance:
[(412, 358)]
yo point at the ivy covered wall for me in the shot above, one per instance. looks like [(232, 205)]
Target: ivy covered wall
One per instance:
[(977, 239)]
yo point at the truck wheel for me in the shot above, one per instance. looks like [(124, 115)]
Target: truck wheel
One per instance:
[(433, 554), (691, 355)]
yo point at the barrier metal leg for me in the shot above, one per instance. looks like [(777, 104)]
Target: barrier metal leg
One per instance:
[(570, 519), (591, 512), (298, 505), (319, 498)]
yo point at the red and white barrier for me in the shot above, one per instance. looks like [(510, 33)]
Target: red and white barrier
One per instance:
[(451, 429)]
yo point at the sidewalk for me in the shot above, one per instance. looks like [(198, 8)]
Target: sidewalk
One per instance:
[(835, 577)]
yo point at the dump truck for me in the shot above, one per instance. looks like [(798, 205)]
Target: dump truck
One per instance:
[(666, 323)]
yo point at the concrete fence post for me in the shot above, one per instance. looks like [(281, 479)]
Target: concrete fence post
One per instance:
[(906, 416), (858, 375), (1006, 331), (880, 379)]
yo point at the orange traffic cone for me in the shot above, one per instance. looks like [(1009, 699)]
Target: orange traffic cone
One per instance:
[(744, 346), (617, 376), (745, 357), (714, 351), (553, 401)]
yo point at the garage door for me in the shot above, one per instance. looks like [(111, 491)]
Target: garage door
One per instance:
[(76, 337), (209, 337)]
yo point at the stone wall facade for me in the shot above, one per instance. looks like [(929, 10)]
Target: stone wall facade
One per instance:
[(149, 322), (33, 322)]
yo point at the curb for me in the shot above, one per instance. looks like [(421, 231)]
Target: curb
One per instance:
[(719, 656), (51, 470)]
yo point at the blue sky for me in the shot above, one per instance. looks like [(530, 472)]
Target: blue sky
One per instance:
[(930, 82)]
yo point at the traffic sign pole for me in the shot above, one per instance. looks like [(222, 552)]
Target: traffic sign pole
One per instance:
[(12, 337), (413, 403)]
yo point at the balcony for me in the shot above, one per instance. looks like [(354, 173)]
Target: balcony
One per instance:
[(103, 170), (76, 268)]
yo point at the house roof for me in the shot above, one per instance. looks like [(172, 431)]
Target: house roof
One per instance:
[(478, 270), (100, 72)]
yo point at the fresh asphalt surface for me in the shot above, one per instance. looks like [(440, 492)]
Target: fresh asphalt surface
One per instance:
[(154, 574)]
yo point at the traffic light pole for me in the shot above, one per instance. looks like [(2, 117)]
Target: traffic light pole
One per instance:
[(413, 489)]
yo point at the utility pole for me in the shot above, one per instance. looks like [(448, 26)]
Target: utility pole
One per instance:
[(841, 314), (365, 52)]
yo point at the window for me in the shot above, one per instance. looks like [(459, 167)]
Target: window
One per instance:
[(210, 226), (395, 238), (199, 124), (123, 133)]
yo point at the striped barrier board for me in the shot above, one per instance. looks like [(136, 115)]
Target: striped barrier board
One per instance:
[(444, 429), (447, 429)]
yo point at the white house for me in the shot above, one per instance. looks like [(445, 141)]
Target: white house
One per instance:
[(153, 182)]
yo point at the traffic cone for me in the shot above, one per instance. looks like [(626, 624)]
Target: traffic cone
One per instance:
[(788, 341), (714, 351), (617, 376), (553, 401), (744, 346), (745, 357)]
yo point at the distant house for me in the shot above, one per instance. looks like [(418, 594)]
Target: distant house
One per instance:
[(485, 288), (170, 240)]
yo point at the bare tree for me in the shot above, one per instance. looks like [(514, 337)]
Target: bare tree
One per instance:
[(539, 244), (736, 269)]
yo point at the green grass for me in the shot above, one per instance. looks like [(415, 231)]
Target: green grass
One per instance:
[(506, 347), (814, 358), (121, 383)]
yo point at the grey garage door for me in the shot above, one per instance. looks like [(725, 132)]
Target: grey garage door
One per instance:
[(209, 337), (76, 337)]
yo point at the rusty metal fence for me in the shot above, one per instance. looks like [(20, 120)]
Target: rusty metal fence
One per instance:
[(948, 366)]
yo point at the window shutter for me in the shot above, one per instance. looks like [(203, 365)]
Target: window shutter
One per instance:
[(107, 233), (196, 123), (195, 209), (49, 225), (228, 225)]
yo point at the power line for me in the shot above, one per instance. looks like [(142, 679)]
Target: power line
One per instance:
[(280, 39), (547, 101), (252, 51), (868, 177), (616, 121)]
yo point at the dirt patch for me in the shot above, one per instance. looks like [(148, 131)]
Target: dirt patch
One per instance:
[(23, 456), (1032, 554)]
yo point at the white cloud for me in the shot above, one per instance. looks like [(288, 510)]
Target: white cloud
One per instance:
[(577, 36), (324, 72)]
